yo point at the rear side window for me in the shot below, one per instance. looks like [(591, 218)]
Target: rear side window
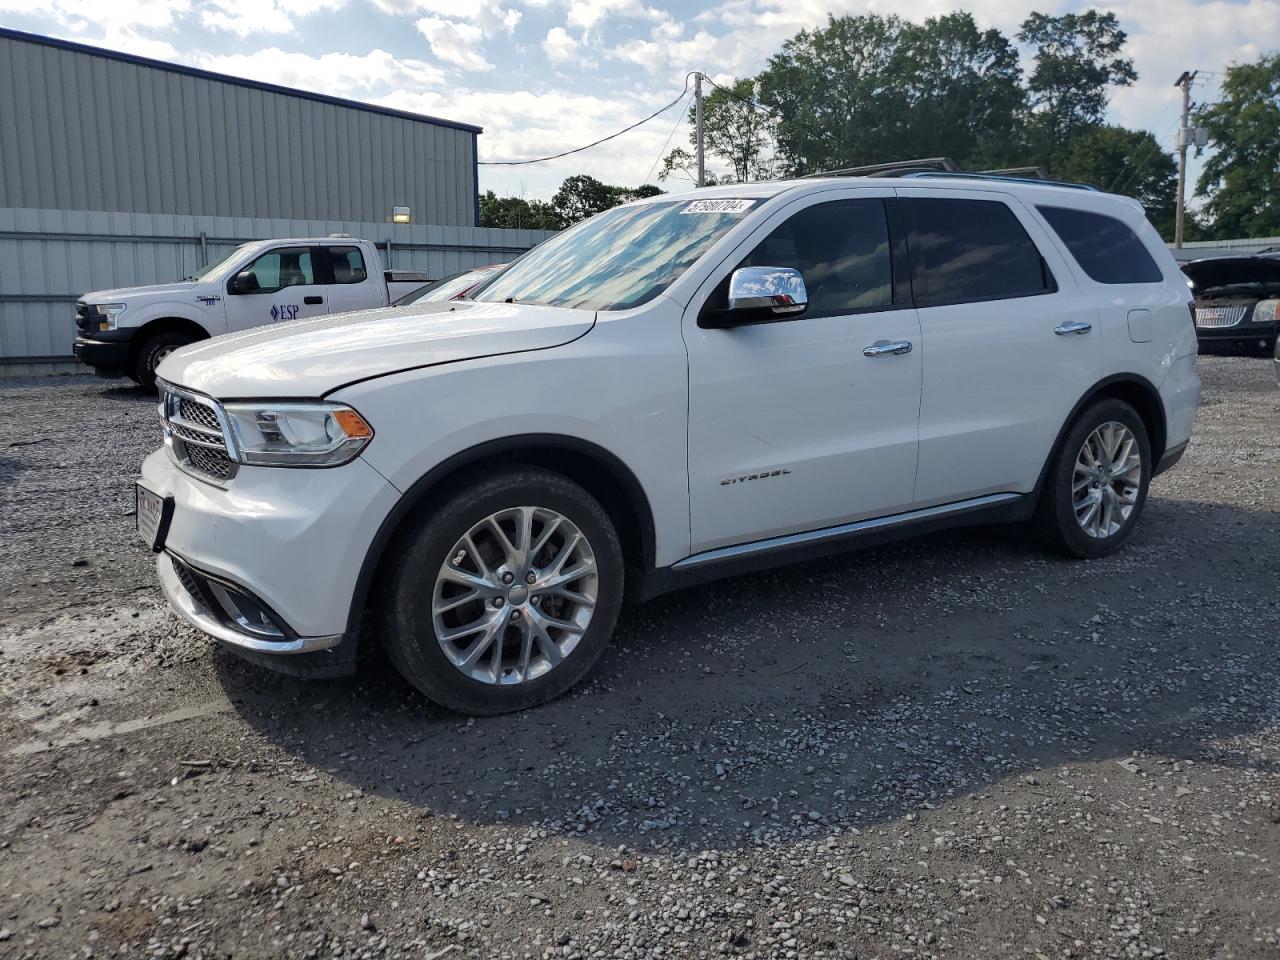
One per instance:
[(971, 250), (1106, 249), (348, 264), (841, 248)]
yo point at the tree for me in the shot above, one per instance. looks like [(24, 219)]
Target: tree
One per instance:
[(517, 213), (1118, 160), (735, 129), (1077, 62), (872, 88), (1242, 177), (583, 196)]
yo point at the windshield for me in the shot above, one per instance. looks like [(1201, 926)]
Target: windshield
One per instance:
[(219, 266), (446, 288), (618, 259)]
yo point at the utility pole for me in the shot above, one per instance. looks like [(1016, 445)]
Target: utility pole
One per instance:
[(697, 122), (1184, 137)]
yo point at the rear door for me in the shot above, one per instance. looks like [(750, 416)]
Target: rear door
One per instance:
[(288, 288), (1009, 346), (350, 285)]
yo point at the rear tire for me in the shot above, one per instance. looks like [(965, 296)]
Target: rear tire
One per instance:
[(151, 352), (1097, 482), (473, 615)]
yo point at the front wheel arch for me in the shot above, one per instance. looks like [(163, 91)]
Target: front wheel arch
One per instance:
[(163, 325)]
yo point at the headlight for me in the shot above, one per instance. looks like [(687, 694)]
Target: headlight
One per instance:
[(1265, 311), (296, 434), (107, 312)]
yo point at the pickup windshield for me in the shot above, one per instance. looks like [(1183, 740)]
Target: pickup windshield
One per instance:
[(618, 259), (220, 265)]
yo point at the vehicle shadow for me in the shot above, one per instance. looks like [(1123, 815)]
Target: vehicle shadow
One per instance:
[(838, 693)]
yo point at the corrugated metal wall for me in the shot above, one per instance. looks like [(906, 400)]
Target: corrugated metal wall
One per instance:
[(90, 131), (49, 258)]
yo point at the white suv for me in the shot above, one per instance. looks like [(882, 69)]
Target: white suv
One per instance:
[(673, 390)]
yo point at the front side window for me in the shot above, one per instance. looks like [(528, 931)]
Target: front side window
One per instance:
[(1106, 249), (841, 248), (282, 267), (972, 250), (348, 265), (618, 259)]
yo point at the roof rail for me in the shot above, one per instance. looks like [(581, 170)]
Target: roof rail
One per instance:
[(946, 167), (893, 169), (961, 175)]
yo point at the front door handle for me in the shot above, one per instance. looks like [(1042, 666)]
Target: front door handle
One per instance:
[(1073, 326), (885, 348), (312, 301)]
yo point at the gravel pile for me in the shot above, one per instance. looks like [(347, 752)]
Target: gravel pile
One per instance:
[(955, 747)]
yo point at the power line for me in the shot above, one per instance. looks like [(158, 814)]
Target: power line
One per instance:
[(557, 156), (679, 120)]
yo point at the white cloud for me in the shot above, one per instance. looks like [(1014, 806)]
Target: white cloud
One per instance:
[(338, 74), (559, 45), (245, 17), (489, 14), (455, 42)]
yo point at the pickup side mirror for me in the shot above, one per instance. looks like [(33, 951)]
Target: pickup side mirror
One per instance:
[(246, 282), (760, 295)]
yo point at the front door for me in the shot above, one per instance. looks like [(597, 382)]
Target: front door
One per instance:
[(798, 425), (287, 288)]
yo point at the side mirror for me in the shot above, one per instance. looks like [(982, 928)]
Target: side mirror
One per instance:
[(246, 282), (760, 295)]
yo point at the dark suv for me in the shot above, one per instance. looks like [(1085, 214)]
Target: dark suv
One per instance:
[(1236, 300)]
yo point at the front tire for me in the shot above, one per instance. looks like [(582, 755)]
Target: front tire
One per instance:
[(151, 352), (505, 595), (1097, 482)]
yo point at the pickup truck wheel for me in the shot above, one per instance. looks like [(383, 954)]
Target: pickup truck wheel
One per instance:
[(151, 351), (506, 594), (1097, 484)]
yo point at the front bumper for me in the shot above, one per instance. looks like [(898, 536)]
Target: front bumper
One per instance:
[(105, 356), (287, 542), (1243, 335)]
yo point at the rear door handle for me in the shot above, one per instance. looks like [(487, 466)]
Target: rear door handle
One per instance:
[(1073, 326), (312, 301), (885, 348)]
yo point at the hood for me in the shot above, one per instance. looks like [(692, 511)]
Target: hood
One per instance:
[(309, 358), (1245, 274), (155, 291)]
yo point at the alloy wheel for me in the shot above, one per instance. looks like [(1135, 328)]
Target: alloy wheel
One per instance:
[(1106, 480), (515, 595)]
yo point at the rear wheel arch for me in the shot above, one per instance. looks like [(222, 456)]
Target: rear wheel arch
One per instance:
[(591, 466), (1131, 388)]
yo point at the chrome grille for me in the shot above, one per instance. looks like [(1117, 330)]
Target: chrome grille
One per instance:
[(1220, 316), (194, 431)]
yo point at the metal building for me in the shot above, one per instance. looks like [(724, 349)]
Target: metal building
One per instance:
[(82, 128), (117, 171)]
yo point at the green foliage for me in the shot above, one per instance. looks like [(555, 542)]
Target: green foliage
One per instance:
[(582, 196), (578, 197), (1242, 178), (869, 88), (1122, 161), (1077, 62), (517, 213)]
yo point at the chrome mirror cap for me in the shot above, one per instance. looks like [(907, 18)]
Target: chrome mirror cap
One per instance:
[(779, 290)]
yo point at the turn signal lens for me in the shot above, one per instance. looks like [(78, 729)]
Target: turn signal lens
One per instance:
[(353, 424)]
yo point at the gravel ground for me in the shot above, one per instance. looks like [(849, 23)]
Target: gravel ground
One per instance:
[(955, 747)]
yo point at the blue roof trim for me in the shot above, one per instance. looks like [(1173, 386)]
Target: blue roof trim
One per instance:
[(21, 35)]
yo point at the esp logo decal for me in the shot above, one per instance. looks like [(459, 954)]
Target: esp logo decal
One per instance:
[(284, 311)]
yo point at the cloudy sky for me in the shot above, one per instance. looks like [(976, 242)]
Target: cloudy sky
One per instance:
[(544, 75)]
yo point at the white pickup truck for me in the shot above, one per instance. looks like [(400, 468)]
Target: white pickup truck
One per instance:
[(130, 330)]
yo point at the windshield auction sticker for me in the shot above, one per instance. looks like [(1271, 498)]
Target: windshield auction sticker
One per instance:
[(736, 205)]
